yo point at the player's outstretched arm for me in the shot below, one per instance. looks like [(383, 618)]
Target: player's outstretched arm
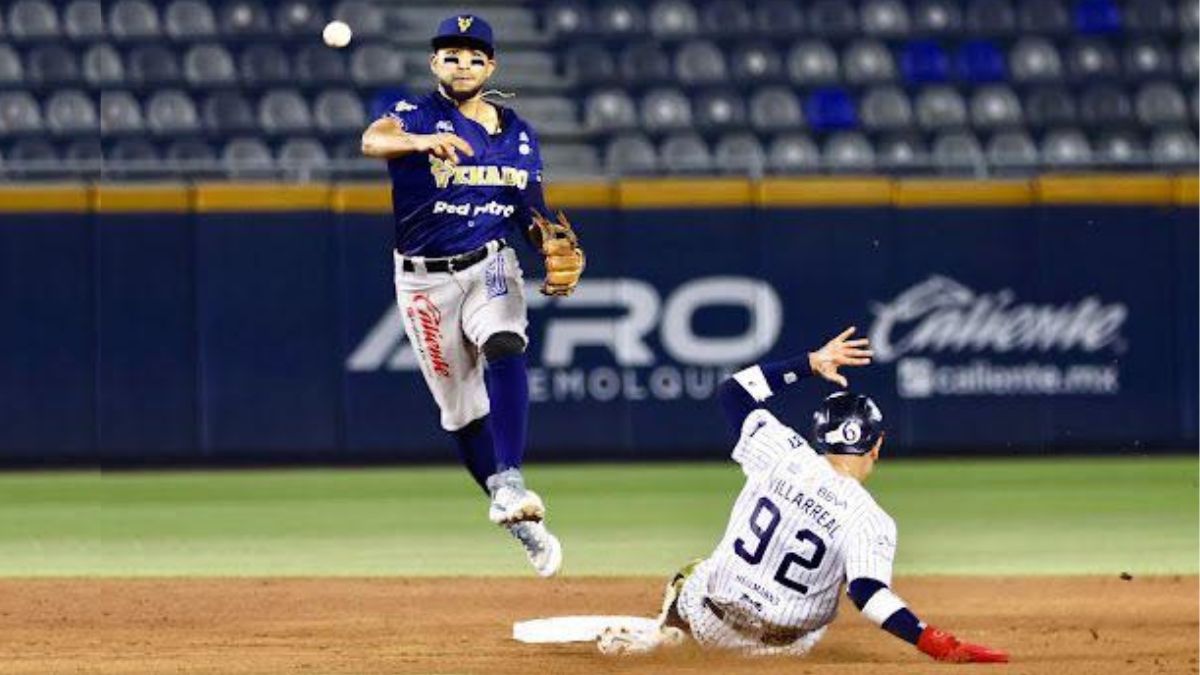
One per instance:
[(386, 139), (749, 388), (879, 604)]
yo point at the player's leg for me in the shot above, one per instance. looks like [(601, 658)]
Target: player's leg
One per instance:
[(671, 629)]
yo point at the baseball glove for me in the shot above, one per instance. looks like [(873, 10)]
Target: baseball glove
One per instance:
[(564, 258)]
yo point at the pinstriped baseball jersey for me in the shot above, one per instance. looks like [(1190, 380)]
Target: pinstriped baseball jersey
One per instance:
[(798, 531)]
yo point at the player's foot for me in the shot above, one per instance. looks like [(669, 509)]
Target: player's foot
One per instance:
[(514, 504), (623, 640), (544, 550), (669, 615)]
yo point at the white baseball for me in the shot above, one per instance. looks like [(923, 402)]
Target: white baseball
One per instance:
[(337, 34)]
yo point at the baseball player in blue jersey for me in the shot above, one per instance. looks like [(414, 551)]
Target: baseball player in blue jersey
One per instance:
[(465, 173), (802, 529)]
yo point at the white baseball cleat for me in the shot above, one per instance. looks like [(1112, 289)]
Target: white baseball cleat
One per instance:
[(625, 640), (544, 550), (514, 504)]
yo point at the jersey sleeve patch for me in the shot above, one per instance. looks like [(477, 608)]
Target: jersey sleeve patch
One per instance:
[(764, 442)]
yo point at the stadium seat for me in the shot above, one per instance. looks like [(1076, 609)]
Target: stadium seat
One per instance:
[(190, 20), (567, 17), (609, 110), (209, 65), (589, 63), (812, 62), (368, 18), (685, 153), (1149, 16), (727, 17), (1174, 147), (83, 150), (1012, 150), (793, 153), (830, 109), (1092, 59), (133, 150), (1189, 17), (1105, 105), (1065, 148), (264, 64), (284, 111), (719, 109), (1147, 58), (885, 108), (120, 114), (645, 62), (32, 20), (620, 17), (848, 151), (83, 21), (1161, 104), (36, 150), (940, 107), (171, 112), (995, 107), (12, 72), (339, 111), (102, 66), (957, 152), (375, 65), (1097, 17), (1119, 148), (550, 115), (700, 62), (570, 160), (778, 17), (833, 19), (132, 20), (71, 112), (884, 18), (299, 18), (317, 64), (981, 61), (247, 157), (51, 65), (740, 153), (151, 66), (937, 17), (228, 112), (924, 61), (189, 151), (673, 18), (990, 17), (868, 62), (1044, 17), (247, 18), (1050, 106), (630, 154), (755, 62), (1189, 60), (900, 152), (302, 153), (1034, 59), (665, 110), (775, 108)]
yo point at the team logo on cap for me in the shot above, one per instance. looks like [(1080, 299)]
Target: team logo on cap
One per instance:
[(848, 433), (464, 23)]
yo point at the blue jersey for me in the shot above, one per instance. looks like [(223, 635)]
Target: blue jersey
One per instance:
[(443, 210)]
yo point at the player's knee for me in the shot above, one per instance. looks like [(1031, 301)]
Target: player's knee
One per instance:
[(502, 345)]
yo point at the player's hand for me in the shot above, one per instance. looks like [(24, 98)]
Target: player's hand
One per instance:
[(838, 352), (445, 146), (942, 646)]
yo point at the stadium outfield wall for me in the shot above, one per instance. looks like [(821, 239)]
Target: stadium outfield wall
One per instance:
[(216, 323)]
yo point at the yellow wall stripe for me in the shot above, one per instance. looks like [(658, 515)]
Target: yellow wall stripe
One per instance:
[(1104, 189), (920, 192), (362, 198), (227, 197), (148, 198), (785, 192), (683, 193), (44, 198), (1187, 190), (598, 195)]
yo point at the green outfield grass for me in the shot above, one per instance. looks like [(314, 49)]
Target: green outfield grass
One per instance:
[(1057, 516)]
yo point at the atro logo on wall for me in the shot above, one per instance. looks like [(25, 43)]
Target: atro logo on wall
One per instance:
[(949, 340), (619, 338)]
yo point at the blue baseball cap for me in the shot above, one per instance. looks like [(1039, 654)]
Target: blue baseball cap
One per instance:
[(465, 29)]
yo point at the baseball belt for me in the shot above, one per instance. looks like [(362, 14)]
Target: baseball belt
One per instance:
[(455, 263)]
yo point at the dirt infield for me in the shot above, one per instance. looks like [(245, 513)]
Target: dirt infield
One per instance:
[(461, 627)]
